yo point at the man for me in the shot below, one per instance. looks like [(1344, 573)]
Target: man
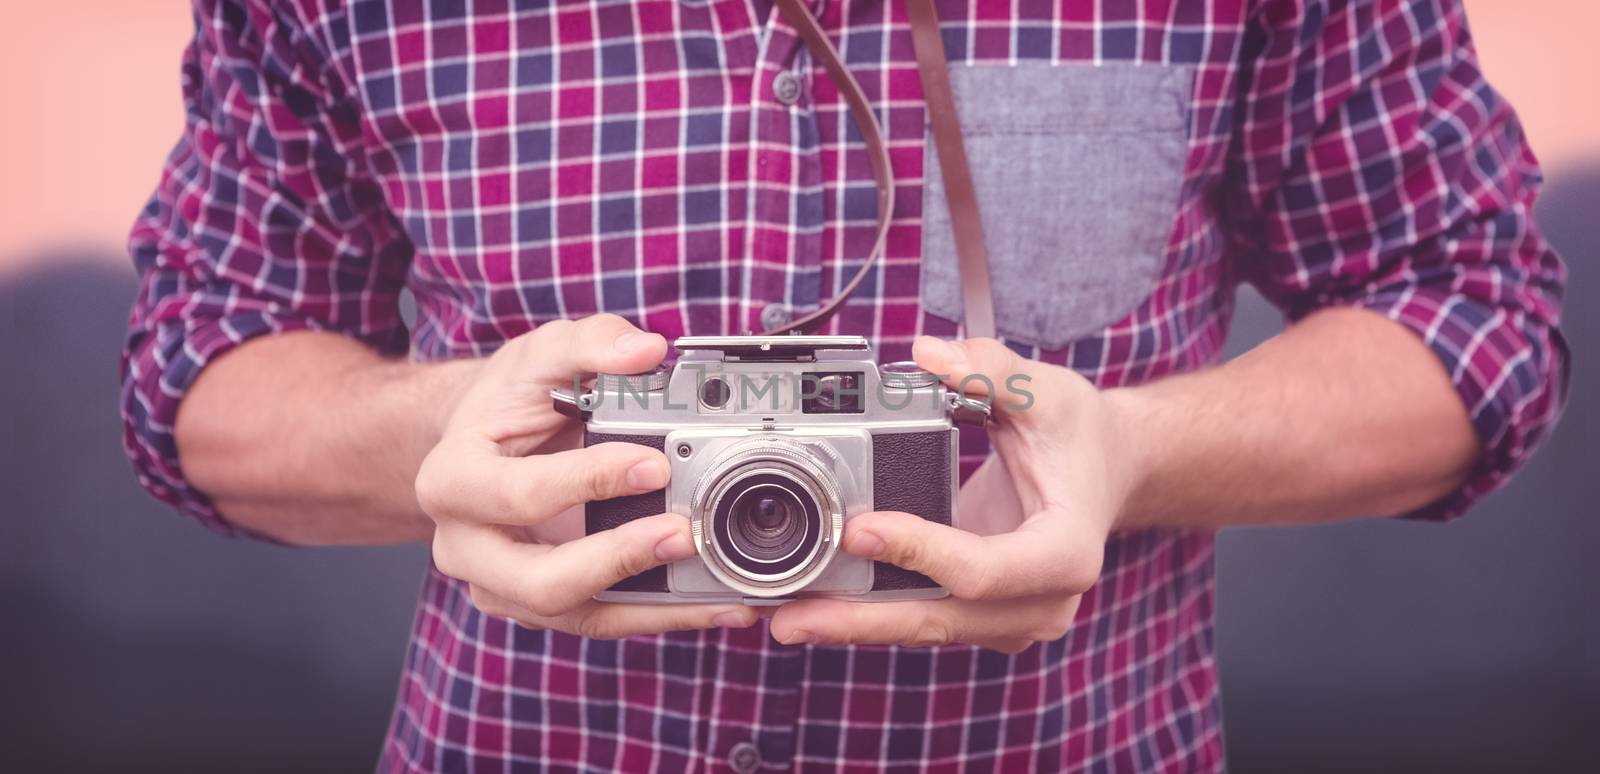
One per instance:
[(567, 187)]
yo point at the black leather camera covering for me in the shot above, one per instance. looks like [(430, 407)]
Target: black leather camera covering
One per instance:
[(910, 472), (604, 514)]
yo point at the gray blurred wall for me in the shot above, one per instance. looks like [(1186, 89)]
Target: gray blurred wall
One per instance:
[(134, 640)]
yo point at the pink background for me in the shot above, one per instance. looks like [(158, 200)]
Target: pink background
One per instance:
[(92, 93)]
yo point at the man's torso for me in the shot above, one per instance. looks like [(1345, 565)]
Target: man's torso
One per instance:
[(654, 160)]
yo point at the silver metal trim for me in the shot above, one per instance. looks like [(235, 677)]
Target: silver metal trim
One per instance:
[(963, 406), (905, 375), (583, 401), (655, 381), (767, 343), (657, 598)]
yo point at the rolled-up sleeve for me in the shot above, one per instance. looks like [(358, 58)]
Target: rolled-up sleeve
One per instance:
[(1373, 166), (263, 222)]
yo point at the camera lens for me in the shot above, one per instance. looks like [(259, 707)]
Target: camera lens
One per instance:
[(766, 524), (769, 515)]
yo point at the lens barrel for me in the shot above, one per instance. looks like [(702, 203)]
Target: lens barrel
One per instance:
[(767, 517), (765, 523)]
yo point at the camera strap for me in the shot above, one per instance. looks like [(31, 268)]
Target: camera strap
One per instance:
[(960, 196)]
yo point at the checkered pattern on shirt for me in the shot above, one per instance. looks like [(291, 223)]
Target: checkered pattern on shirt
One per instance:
[(515, 165)]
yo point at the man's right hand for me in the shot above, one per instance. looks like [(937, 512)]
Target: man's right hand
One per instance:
[(504, 483)]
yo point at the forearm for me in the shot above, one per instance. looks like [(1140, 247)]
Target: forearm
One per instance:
[(312, 438), (1344, 414)]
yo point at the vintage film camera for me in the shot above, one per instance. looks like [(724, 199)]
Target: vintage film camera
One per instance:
[(775, 442)]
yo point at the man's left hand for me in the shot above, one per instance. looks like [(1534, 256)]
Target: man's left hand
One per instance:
[(1021, 583)]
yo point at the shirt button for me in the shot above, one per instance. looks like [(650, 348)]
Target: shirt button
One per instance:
[(774, 315), (744, 757), (786, 87)]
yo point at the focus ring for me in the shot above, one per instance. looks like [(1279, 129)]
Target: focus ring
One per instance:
[(758, 458), (905, 375)]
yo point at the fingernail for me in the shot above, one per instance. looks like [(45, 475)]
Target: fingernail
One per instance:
[(648, 475), (633, 341), (799, 637), (675, 547), (732, 619), (864, 544)]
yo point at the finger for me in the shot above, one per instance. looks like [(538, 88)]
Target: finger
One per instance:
[(608, 621), (584, 567), (600, 620), (921, 623), (553, 580), (1010, 647), (601, 343), (977, 367), (988, 501), (1036, 558), (472, 481), (925, 623)]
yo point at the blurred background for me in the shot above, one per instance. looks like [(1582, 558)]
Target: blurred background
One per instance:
[(133, 639)]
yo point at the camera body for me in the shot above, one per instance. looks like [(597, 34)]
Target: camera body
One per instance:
[(774, 443)]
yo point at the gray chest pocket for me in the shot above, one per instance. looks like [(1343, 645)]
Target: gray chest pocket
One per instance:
[(1078, 171)]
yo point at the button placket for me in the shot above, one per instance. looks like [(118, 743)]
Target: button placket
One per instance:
[(786, 87), (744, 758), (774, 315), (780, 714), (786, 245)]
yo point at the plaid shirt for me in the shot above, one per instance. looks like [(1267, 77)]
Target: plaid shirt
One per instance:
[(513, 166)]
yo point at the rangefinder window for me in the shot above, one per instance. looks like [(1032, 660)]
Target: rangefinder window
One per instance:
[(832, 392), (714, 393)]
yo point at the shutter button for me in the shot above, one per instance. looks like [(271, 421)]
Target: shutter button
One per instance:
[(774, 315), (786, 87), (744, 757)]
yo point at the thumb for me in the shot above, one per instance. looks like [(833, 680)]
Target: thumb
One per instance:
[(980, 368), (602, 343)]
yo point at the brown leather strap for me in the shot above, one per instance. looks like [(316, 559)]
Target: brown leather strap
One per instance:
[(959, 194), (977, 298), (816, 40)]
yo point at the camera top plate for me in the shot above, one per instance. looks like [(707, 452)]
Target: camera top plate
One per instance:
[(788, 348)]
